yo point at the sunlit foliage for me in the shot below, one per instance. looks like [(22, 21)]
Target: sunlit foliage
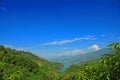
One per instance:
[(20, 65), (107, 68)]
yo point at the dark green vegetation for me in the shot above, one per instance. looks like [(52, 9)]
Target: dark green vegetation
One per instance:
[(20, 65)]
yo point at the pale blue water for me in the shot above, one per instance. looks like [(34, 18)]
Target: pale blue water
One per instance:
[(66, 65)]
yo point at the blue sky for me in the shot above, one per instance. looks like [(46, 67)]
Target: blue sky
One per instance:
[(53, 27)]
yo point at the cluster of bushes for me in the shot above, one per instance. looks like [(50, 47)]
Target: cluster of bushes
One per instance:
[(107, 68)]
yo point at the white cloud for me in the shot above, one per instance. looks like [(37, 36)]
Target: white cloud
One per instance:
[(94, 47), (75, 51), (57, 42), (72, 52), (69, 41)]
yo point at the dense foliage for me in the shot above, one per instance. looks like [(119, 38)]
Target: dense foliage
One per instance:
[(107, 68), (20, 65)]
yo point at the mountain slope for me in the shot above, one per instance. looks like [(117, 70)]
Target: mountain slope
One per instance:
[(20, 65), (106, 68), (80, 58)]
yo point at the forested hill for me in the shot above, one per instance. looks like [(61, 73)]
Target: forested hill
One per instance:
[(106, 68), (21, 65)]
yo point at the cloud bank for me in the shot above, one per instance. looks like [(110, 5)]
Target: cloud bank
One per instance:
[(74, 52), (92, 48), (69, 41)]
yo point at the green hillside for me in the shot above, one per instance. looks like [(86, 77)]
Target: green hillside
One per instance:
[(107, 68), (20, 65)]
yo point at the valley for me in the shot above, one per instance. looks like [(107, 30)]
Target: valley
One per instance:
[(21, 65)]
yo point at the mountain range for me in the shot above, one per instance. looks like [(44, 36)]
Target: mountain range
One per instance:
[(80, 58)]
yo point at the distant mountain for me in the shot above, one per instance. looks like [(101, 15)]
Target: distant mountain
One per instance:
[(80, 58)]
